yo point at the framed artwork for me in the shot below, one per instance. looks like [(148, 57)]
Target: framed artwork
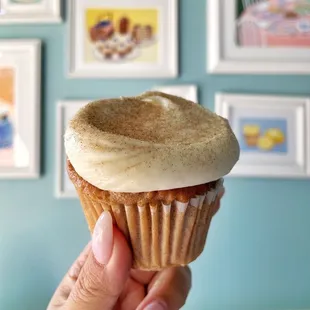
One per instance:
[(123, 39), (188, 92), (65, 111), (273, 133), (20, 108), (259, 36), (30, 11)]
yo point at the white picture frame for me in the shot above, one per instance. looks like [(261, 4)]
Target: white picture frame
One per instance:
[(20, 61), (30, 11), (66, 109), (273, 134), (155, 56), (189, 92), (225, 56)]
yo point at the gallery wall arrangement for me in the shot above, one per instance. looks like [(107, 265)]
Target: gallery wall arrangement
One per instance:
[(115, 40), (247, 60)]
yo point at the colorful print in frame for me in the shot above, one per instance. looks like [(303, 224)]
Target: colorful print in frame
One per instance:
[(20, 108), (258, 36), (273, 134), (121, 35), (273, 23), (121, 39), (263, 135), (7, 90)]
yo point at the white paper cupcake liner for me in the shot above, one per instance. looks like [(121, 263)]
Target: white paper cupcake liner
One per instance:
[(161, 235)]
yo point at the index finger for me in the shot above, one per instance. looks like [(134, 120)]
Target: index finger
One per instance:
[(170, 286)]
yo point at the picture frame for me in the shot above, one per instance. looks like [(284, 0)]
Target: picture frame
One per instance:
[(273, 134), (189, 92), (66, 109), (256, 37), (123, 39), (30, 11), (20, 61)]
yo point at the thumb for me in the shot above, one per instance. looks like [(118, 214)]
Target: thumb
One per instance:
[(106, 269)]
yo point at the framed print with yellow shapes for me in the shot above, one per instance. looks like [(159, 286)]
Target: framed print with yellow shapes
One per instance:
[(273, 133)]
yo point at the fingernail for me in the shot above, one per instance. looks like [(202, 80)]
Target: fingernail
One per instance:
[(102, 240), (156, 305)]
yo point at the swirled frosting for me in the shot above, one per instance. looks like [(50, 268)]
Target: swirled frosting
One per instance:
[(151, 142)]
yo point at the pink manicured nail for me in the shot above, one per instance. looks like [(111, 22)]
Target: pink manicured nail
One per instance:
[(102, 241), (156, 305)]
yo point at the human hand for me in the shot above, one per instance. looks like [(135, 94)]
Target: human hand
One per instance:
[(102, 279)]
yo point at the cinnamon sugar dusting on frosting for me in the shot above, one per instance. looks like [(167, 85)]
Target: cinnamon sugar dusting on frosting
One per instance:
[(152, 117), (151, 142)]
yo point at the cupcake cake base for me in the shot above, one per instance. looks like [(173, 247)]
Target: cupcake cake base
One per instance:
[(164, 228)]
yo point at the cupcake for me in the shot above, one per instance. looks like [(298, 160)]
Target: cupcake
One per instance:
[(251, 134), (137, 34), (124, 25), (149, 32), (103, 30), (155, 162), (276, 135)]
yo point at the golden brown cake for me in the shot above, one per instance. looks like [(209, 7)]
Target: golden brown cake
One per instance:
[(155, 162)]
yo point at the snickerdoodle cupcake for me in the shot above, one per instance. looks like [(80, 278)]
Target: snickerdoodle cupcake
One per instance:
[(156, 162)]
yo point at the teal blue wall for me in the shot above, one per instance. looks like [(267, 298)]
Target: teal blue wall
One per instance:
[(258, 251)]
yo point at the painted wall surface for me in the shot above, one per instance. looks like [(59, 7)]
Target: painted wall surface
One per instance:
[(258, 250)]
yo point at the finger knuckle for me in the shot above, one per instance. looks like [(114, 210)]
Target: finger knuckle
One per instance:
[(64, 291), (56, 303), (88, 286), (91, 285)]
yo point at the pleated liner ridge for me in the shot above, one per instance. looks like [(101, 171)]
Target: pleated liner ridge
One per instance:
[(160, 235)]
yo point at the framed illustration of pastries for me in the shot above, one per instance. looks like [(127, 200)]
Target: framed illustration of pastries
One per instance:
[(20, 108), (273, 134), (30, 11), (123, 39), (258, 37)]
